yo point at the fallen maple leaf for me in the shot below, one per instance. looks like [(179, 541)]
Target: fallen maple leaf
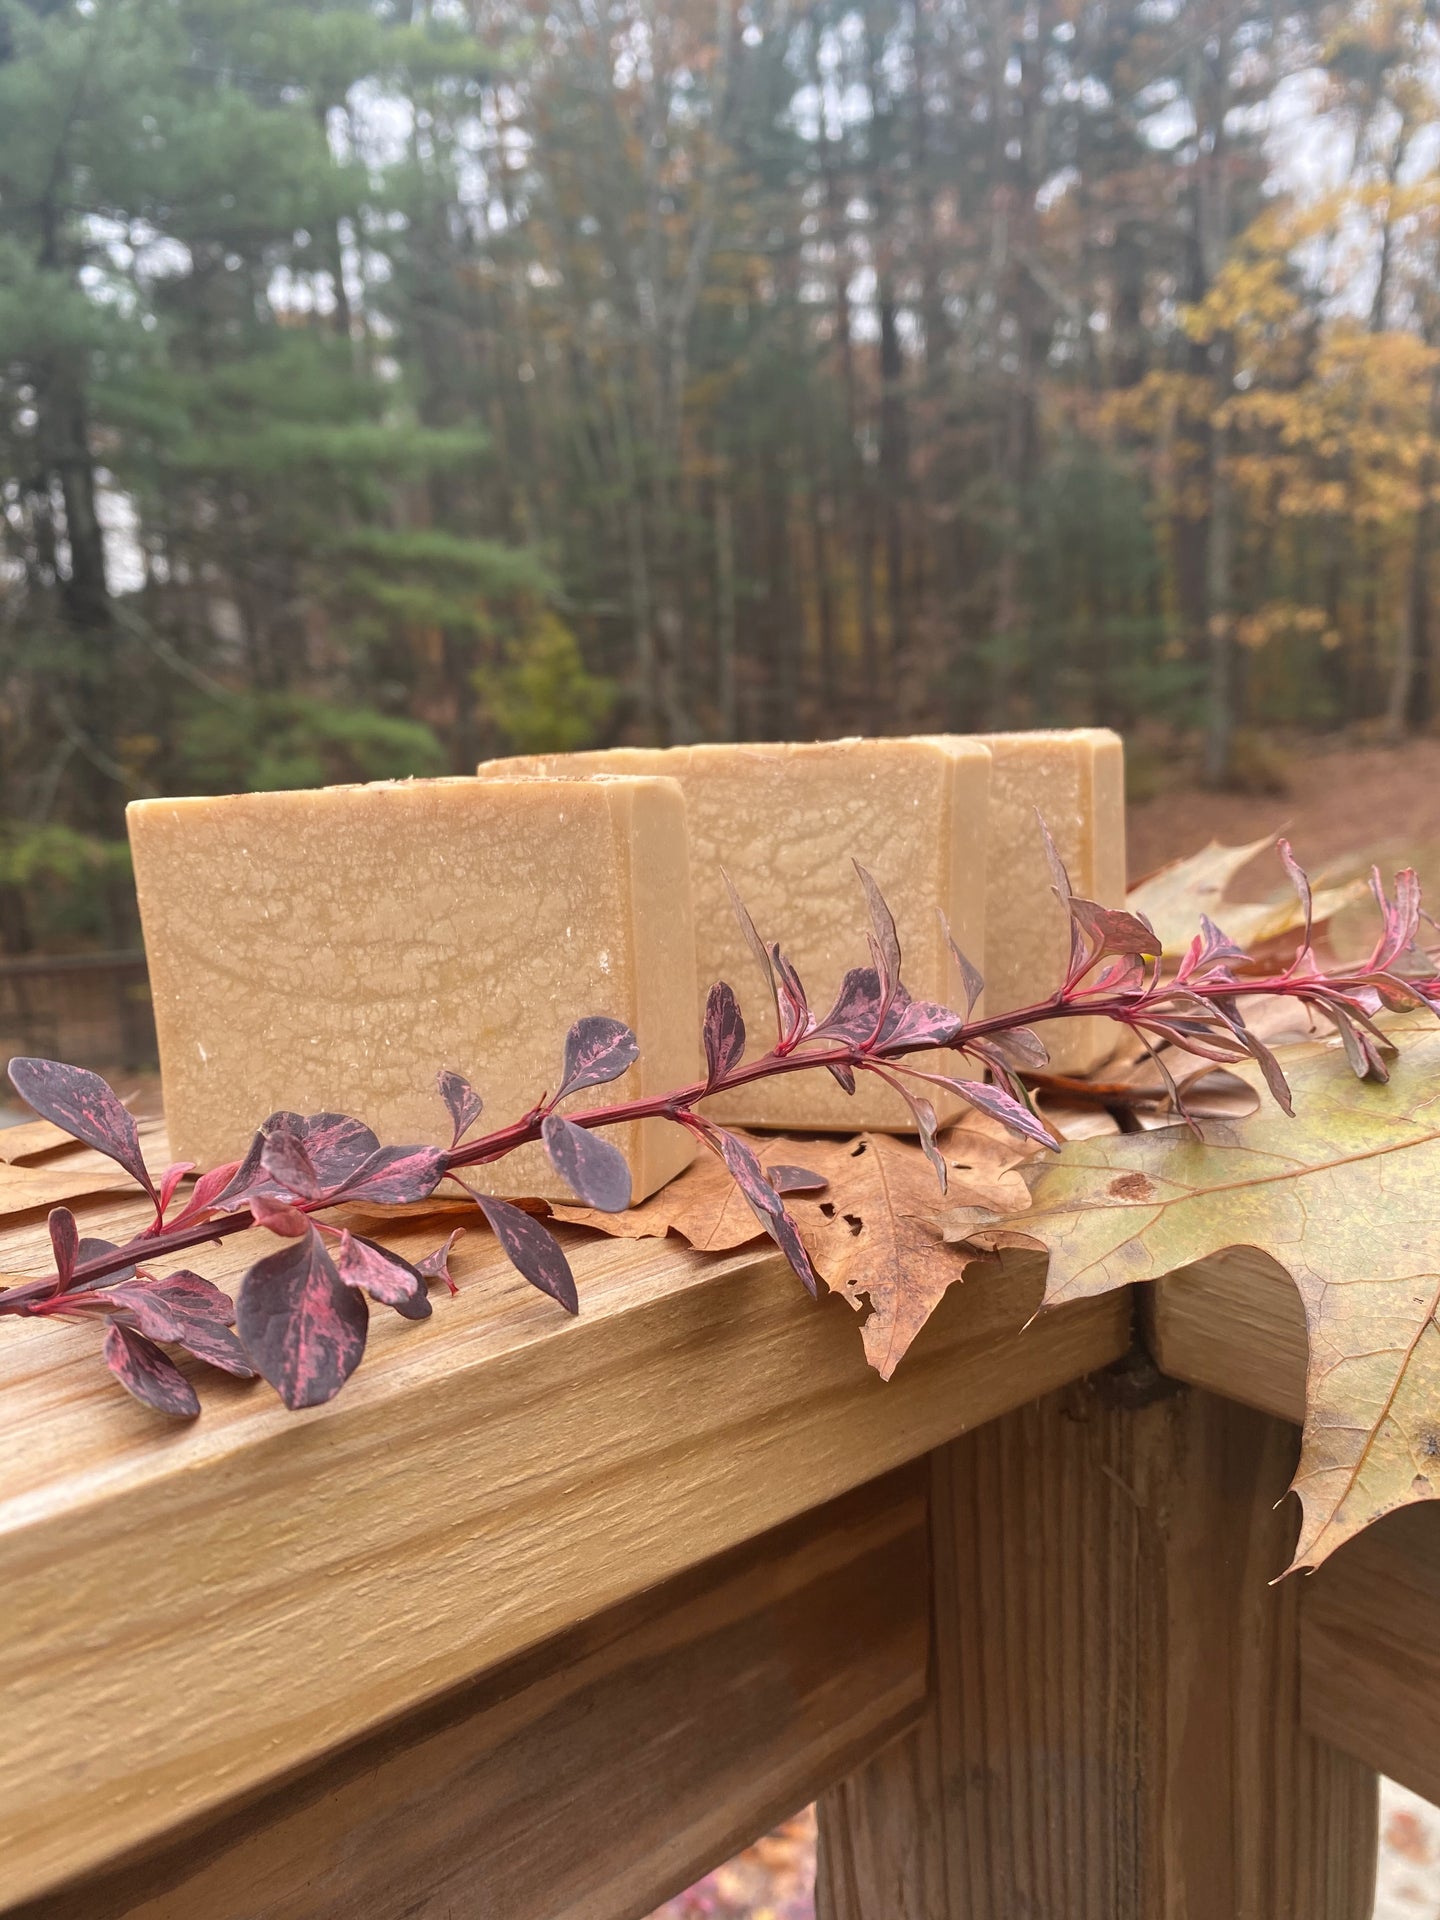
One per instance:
[(870, 1231), (874, 1241), (1346, 1197), (703, 1204), (1173, 899)]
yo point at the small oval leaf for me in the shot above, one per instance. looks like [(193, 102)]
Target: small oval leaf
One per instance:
[(462, 1102), (724, 1032), (152, 1376), (385, 1276), (86, 1106), (301, 1325), (65, 1243), (531, 1249), (597, 1049), (190, 1311), (765, 1203), (395, 1177), (593, 1169)]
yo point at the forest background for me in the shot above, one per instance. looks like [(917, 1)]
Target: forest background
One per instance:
[(383, 385)]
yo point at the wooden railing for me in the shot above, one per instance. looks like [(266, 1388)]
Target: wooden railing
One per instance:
[(541, 1618), (90, 1008)]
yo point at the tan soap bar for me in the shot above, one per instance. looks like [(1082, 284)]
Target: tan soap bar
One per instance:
[(1076, 780), (333, 950), (785, 821)]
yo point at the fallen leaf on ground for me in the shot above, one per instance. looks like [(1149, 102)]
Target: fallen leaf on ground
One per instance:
[(1173, 899), (1346, 1197)]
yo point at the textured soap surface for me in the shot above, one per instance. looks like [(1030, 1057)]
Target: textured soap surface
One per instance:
[(785, 821), (1077, 781), (332, 950)]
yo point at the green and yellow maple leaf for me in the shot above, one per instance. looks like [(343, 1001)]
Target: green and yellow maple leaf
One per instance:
[(1346, 1197)]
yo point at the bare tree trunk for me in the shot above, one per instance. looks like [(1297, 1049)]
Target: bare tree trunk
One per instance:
[(1220, 643), (725, 702)]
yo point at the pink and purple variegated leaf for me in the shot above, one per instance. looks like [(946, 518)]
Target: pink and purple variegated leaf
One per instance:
[(301, 1325), (531, 1249), (1399, 918), (152, 1376), (887, 941), (764, 1202), (86, 1107), (384, 1275), (796, 1019), (856, 1012), (436, 1265), (277, 1216), (724, 1032), (597, 1050), (169, 1181), (971, 977), (1210, 950), (795, 1180), (1256, 1048), (754, 942), (204, 1196), (918, 1023), (1065, 894), (1300, 880), (1019, 1047), (286, 1159), (394, 1177), (95, 1249), (592, 1168), (1361, 1042), (64, 1243), (1009, 1111), (333, 1145), (1112, 930), (190, 1311), (462, 1102)]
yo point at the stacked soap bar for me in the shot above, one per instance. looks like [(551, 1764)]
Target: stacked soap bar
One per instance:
[(786, 822), (333, 950), (1076, 780), (783, 820)]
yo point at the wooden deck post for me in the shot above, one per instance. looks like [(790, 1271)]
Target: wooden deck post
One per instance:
[(1114, 1728)]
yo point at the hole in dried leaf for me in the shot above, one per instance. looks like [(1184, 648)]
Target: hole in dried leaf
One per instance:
[(858, 1148), (854, 1222), (827, 1207)]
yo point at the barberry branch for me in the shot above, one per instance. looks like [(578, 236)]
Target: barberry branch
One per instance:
[(301, 1310)]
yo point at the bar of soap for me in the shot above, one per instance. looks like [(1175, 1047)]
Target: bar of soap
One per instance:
[(785, 822), (1077, 781), (332, 950)]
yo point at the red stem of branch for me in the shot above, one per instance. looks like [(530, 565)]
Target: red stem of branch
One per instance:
[(1129, 1006)]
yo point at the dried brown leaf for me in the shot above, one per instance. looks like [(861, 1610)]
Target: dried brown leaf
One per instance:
[(24, 1188), (873, 1237), (31, 1139), (1173, 899), (704, 1205)]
